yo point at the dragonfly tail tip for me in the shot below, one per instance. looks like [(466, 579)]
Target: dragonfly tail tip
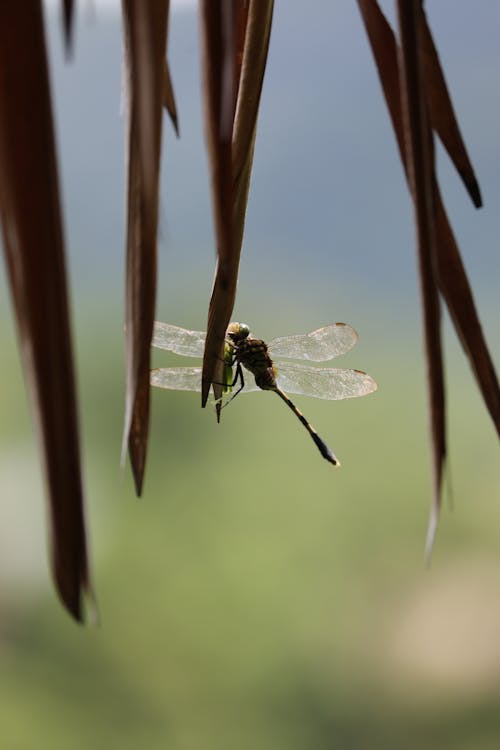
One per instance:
[(332, 458)]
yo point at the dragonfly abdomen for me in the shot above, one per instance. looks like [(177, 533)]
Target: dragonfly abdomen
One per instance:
[(320, 444)]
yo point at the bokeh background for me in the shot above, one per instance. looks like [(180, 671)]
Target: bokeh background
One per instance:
[(255, 597)]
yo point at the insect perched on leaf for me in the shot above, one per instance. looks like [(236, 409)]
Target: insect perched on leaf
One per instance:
[(242, 351)]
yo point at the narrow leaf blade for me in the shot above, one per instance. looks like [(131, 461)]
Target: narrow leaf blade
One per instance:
[(442, 114), (420, 169), (145, 29), (231, 160), (218, 35), (34, 248)]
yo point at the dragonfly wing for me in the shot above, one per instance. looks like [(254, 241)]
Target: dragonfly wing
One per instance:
[(332, 384), (189, 379), (178, 340), (177, 378), (318, 346)]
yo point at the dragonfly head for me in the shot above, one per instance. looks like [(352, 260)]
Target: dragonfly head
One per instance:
[(238, 332)]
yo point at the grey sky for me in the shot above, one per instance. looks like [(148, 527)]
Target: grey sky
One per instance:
[(328, 208)]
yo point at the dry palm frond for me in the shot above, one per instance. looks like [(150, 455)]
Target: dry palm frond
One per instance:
[(68, 20), (235, 43), (148, 88), (235, 38), (169, 98), (419, 154), (418, 101), (34, 248), (442, 114)]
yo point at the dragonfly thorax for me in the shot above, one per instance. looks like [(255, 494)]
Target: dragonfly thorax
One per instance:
[(252, 354)]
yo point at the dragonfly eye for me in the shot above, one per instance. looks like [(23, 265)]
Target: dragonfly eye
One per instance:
[(238, 331)]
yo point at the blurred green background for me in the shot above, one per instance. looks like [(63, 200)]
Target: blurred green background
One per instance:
[(256, 597)]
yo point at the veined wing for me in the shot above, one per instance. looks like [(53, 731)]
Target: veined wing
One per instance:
[(178, 340), (318, 346), (177, 378), (329, 383), (188, 379)]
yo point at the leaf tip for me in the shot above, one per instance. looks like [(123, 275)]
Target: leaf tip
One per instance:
[(431, 535)]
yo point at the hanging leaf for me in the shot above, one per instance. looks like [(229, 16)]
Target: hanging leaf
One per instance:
[(68, 7), (34, 248), (456, 291), (442, 114), (420, 169), (218, 48), (449, 271), (235, 44), (169, 98), (145, 30)]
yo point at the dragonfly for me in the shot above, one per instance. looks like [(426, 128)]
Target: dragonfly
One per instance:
[(244, 352)]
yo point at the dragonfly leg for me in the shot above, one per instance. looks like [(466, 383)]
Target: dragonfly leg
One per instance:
[(238, 376)]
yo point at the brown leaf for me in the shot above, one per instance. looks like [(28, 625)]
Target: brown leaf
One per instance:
[(253, 65), (449, 270), (168, 91), (442, 114), (420, 170), (68, 21), (169, 98), (145, 30), (218, 48), (34, 249), (230, 144), (456, 291), (383, 46)]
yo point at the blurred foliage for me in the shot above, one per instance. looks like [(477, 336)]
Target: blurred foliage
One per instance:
[(256, 596)]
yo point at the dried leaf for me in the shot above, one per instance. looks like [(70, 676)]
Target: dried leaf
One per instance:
[(442, 114), (34, 248), (68, 7), (449, 270), (384, 50), (169, 98), (452, 278), (230, 145), (253, 65), (218, 55), (145, 30), (456, 291), (420, 170)]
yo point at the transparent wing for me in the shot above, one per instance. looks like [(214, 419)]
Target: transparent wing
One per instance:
[(329, 383), (177, 378), (178, 340), (318, 346), (189, 379)]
